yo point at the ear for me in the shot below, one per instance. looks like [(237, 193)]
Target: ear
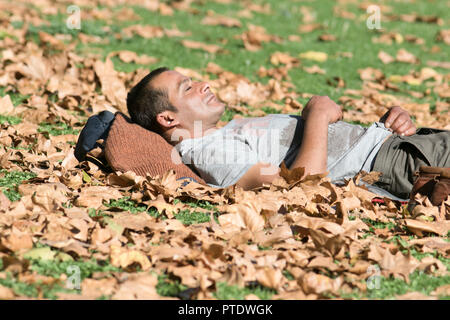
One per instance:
[(167, 120)]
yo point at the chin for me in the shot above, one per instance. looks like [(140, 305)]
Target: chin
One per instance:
[(221, 107)]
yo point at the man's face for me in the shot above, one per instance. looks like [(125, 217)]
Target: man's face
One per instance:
[(193, 100)]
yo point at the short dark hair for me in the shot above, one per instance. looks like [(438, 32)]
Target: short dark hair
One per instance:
[(144, 102)]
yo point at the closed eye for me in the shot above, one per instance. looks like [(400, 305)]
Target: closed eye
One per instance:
[(188, 88)]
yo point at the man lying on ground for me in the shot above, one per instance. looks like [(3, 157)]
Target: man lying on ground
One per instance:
[(248, 152)]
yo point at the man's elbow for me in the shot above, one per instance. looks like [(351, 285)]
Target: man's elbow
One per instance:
[(259, 174)]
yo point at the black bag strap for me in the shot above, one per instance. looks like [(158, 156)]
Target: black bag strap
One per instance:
[(426, 130)]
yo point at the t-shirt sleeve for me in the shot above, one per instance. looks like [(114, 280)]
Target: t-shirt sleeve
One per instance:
[(221, 163)]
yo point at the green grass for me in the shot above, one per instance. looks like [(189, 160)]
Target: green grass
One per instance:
[(9, 119), (56, 129), (419, 281), (52, 263), (32, 290), (231, 292), (9, 180), (16, 98), (54, 268), (169, 287), (126, 204), (130, 205), (378, 224), (201, 204), (188, 217), (390, 287)]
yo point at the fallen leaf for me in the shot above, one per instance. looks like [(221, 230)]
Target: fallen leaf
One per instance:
[(385, 57), (6, 293), (319, 284), (406, 57), (314, 69), (418, 227), (121, 257), (211, 48), (218, 20), (112, 87), (314, 55)]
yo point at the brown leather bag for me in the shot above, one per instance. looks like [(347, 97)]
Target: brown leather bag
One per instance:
[(432, 182)]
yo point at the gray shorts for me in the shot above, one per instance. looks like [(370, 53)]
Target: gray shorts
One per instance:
[(400, 157)]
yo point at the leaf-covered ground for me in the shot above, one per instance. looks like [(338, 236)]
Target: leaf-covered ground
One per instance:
[(129, 237)]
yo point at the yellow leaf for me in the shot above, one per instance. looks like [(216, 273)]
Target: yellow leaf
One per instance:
[(314, 55), (395, 78)]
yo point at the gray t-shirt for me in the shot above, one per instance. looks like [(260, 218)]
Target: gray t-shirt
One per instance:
[(224, 156)]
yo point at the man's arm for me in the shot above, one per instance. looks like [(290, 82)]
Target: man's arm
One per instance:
[(318, 113), (313, 150), (257, 175)]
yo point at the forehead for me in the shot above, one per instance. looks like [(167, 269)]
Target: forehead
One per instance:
[(168, 80)]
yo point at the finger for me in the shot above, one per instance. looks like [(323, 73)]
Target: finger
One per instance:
[(404, 127), (399, 121), (394, 113), (410, 131)]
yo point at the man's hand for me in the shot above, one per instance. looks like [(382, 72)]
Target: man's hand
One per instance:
[(324, 106), (399, 121)]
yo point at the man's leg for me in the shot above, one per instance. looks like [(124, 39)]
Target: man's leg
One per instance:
[(400, 157)]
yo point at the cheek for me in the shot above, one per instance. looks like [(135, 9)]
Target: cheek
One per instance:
[(193, 103)]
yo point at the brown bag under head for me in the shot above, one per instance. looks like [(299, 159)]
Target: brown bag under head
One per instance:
[(130, 147)]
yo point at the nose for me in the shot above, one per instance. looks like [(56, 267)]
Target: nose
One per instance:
[(204, 87)]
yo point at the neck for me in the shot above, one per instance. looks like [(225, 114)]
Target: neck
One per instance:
[(176, 135)]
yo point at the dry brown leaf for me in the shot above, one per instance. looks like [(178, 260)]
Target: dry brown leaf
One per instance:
[(95, 288), (406, 57), (414, 296), (245, 215), (309, 27), (6, 105), (6, 293), (327, 37), (93, 196), (218, 20), (138, 287), (385, 57), (319, 284), (121, 257), (370, 74), (18, 241), (442, 290), (4, 202), (283, 58), (418, 227), (130, 56), (314, 69), (443, 36), (269, 277), (211, 48), (112, 87)]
